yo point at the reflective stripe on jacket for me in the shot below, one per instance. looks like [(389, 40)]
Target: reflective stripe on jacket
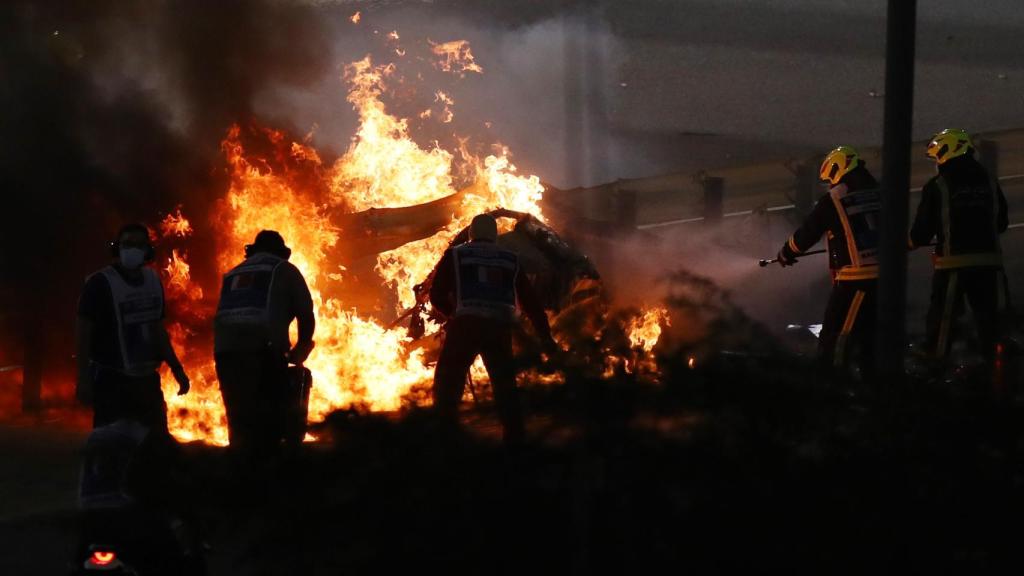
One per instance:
[(950, 257), (848, 217), (485, 281), (245, 292), (138, 310)]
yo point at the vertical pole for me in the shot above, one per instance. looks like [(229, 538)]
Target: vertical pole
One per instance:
[(32, 377), (714, 198), (899, 108), (577, 141), (33, 335), (575, 112)]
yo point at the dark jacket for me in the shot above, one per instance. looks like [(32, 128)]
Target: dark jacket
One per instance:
[(975, 211), (825, 219)]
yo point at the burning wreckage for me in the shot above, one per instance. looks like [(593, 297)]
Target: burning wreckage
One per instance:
[(366, 231), (565, 280)]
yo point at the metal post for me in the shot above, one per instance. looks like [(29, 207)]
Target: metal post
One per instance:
[(899, 108), (714, 196), (32, 358), (575, 113)]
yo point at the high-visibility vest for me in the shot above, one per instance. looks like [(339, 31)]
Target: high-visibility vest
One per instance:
[(948, 260), (485, 281), (858, 212), (245, 292), (138, 311)]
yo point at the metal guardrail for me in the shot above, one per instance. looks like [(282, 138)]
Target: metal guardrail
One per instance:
[(784, 208)]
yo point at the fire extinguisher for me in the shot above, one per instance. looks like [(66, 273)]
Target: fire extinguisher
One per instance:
[(300, 381)]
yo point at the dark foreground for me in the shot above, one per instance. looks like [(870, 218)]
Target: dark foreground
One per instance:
[(735, 467)]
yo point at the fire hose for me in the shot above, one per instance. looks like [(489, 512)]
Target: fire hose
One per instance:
[(766, 261)]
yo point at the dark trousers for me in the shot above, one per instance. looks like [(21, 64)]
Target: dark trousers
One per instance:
[(985, 290), (119, 396), (465, 338), (850, 319), (254, 386)]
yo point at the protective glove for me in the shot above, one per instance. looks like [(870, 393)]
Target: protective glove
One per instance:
[(184, 385), (785, 260)]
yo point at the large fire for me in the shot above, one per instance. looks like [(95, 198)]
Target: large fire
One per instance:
[(358, 360)]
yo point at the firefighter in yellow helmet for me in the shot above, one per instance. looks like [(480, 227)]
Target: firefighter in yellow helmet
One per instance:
[(963, 209), (848, 216)]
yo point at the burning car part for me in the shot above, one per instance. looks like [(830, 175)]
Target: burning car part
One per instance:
[(553, 266), (364, 230)]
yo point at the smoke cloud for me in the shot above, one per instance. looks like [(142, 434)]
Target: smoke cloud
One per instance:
[(112, 112)]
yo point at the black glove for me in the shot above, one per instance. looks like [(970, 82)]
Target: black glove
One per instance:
[(785, 260)]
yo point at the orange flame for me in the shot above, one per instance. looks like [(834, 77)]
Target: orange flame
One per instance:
[(357, 360), (645, 330), (175, 225), (355, 18), (456, 56), (177, 277), (447, 115)]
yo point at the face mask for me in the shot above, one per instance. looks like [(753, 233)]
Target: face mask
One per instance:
[(132, 258)]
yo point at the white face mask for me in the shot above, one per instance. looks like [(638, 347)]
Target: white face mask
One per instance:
[(132, 258)]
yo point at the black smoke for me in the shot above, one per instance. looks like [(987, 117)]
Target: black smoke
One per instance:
[(113, 111)]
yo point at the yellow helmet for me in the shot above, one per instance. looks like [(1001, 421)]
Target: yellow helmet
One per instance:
[(839, 163), (949, 144)]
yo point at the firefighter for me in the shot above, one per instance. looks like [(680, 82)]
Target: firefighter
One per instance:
[(477, 286), (848, 217), (964, 210), (121, 339), (259, 299)]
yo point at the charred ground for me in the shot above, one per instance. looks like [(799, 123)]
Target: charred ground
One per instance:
[(722, 469), (747, 461)]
